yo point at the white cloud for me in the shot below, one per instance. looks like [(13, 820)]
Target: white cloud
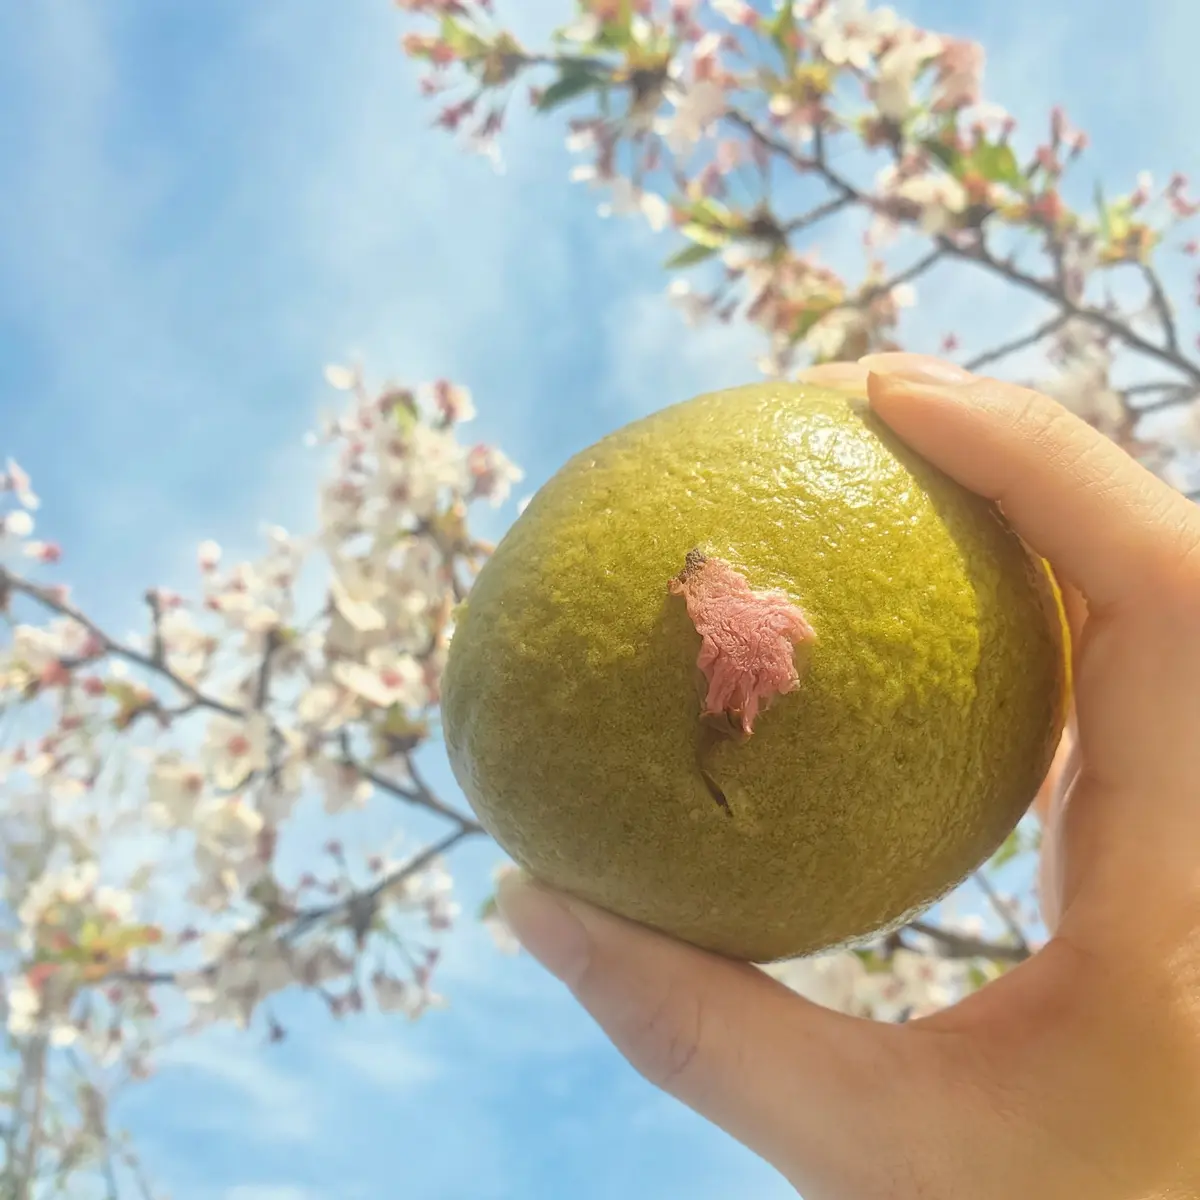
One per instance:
[(270, 1105), (384, 1058)]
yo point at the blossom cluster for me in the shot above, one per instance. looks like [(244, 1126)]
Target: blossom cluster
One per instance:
[(747, 128), (160, 872)]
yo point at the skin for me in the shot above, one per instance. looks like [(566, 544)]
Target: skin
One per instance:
[(1077, 1074)]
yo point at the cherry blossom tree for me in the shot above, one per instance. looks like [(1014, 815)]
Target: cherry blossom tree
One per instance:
[(753, 134), (152, 783), (157, 875)]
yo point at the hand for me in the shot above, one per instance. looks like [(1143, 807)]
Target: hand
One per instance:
[(1077, 1074)]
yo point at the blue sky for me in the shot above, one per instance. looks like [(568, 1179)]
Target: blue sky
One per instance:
[(202, 205)]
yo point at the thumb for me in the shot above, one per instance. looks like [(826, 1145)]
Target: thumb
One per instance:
[(791, 1080)]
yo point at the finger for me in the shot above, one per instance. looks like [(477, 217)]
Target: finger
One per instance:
[(1110, 527), (801, 1085), (841, 376)]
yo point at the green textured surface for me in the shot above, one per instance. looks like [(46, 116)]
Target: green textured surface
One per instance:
[(926, 717)]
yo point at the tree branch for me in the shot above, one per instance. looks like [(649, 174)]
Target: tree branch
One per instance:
[(910, 273), (419, 795), (958, 945), (1123, 332), (1177, 394), (110, 646), (979, 254), (304, 920), (1019, 343), (818, 213), (1162, 307), (1001, 909), (27, 1173)]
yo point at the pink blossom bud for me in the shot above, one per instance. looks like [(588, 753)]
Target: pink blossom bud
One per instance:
[(46, 552), (54, 675)]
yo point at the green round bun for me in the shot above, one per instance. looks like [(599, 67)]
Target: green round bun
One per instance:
[(751, 672)]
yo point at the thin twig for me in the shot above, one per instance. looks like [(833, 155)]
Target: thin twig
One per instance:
[(1162, 307), (981, 255), (1179, 396), (1019, 343), (306, 919), (958, 945), (818, 213), (1154, 385), (910, 273), (158, 652), (420, 795), (263, 687), (1001, 909), (29, 1170), (110, 646)]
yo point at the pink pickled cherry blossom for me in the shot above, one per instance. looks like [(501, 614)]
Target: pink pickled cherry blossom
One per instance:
[(747, 638)]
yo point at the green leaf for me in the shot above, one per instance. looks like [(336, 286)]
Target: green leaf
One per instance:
[(574, 81), (997, 163), (689, 256), (488, 909), (715, 239), (1012, 846), (460, 39), (977, 977), (707, 211), (946, 155), (875, 962), (782, 29)]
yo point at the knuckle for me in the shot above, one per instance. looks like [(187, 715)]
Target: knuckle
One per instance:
[(663, 1041)]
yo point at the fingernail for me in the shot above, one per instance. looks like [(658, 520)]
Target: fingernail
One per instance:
[(917, 368), (541, 921)]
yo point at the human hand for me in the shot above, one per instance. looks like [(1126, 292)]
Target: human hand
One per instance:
[(1077, 1074)]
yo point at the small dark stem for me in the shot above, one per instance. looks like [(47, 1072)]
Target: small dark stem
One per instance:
[(957, 945), (917, 269), (826, 209), (1019, 343), (1162, 307), (1001, 909), (158, 651), (1178, 396), (263, 687)]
